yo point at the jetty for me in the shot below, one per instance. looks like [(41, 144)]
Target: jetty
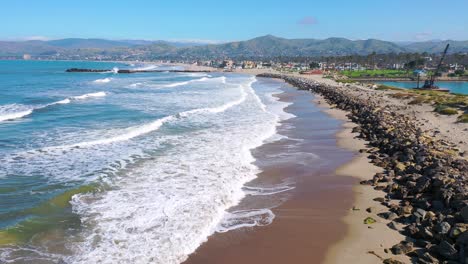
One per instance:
[(127, 71)]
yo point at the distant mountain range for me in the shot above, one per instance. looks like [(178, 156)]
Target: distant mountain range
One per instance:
[(265, 46)]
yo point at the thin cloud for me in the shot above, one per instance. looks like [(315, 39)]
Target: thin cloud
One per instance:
[(423, 35), (198, 41), (307, 21), (43, 38)]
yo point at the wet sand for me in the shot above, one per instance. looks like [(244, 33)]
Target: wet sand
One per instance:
[(309, 218)]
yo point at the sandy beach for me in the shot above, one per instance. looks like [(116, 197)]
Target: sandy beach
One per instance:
[(335, 215), (362, 243), (309, 218), (351, 241)]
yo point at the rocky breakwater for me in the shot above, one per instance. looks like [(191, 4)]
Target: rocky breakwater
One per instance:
[(131, 71), (424, 180)]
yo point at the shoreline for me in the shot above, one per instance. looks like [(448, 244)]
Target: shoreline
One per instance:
[(314, 209), (384, 242), (442, 134), (360, 240)]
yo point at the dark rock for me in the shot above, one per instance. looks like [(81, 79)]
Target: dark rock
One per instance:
[(464, 214), (463, 239), (392, 261), (407, 209), (422, 243), (458, 229), (427, 258), (442, 228), (403, 247), (438, 205), (420, 214), (392, 225), (379, 199), (422, 185), (388, 215), (446, 250)]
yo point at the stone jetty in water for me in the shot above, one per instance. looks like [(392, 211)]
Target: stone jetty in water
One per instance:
[(131, 71)]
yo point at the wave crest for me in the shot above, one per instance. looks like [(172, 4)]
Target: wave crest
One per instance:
[(105, 80), (16, 111), (89, 95)]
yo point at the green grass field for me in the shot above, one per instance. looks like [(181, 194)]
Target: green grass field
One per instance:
[(377, 73)]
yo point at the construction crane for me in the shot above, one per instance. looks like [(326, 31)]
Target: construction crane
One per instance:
[(429, 83)]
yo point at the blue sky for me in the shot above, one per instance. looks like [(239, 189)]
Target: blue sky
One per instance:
[(221, 20)]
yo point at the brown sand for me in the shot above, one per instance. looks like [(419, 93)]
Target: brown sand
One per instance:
[(310, 220), (360, 240)]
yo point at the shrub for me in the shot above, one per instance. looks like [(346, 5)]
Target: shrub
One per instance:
[(463, 118), (418, 100), (345, 81), (387, 87), (401, 95), (445, 110)]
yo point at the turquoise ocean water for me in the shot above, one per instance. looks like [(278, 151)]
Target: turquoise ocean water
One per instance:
[(454, 87), (115, 168)]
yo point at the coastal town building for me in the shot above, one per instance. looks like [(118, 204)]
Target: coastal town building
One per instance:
[(227, 64), (249, 65)]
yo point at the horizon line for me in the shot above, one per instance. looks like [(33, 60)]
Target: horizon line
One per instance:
[(205, 41)]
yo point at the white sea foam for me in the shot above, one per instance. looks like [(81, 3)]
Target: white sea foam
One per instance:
[(64, 101), (14, 111), (132, 133), (136, 131), (256, 191), (104, 80), (221, 79), (163, 209), (134, 85), (245, 218), (89, 95), (147, 67)]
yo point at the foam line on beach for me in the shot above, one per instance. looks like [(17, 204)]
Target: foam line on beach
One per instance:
[(261, 191), (245, 218)]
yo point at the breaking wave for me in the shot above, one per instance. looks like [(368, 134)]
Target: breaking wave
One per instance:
[(155, 125), (16, 111), (105, 80), (204, 79)]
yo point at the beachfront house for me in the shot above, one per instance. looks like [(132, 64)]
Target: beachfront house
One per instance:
[(249, 65), (227, 64)]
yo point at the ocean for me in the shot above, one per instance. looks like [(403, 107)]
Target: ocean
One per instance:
[(453, 87), (127, 168)]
